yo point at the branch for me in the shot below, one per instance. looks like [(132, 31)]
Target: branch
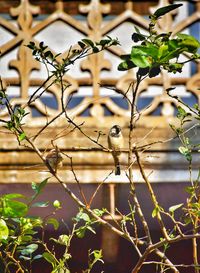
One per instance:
[(153, 197), (130, 163)]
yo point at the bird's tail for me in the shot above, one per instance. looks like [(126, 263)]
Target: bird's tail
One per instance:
[(117, 166), (117, 170)]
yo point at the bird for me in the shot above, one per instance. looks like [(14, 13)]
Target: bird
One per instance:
[(54, 159), (115, 143)]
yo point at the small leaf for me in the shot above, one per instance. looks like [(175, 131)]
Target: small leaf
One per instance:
[(49, 258), (143, 71), (162, 11), (98, 255), (82, 216), (126, 65), (53, 222), (48, 54), (154, 71), (99, 212), (22, 136), (4, 231), (31, 45), (186, 152), (63, 239), (95, 49), (189, 43), (181, 113), (91, 229), (25, 258), (104, 42), (143, 56), (38, 187), (40, 204), (155, 212), (80, 233), (29, 249), (26, 238), (175, 207), (82, 45), (39, 256), (88, 42), (136, 37)]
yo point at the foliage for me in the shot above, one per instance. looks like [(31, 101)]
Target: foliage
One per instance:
[(159, 50), (22, 237)]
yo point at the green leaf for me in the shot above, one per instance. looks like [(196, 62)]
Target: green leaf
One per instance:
[(39, 256), (171, 55), (88, 42), (162, 11), (53, 222), (82, 45), (172, 209), (82, 216), (80, 233), (190, 190), (154, 212), (126, 65), (154, 71), (14, 208), (91, 229), (13, 196), (97, 256), (143, 56), (175, 67), (22, 136), (26, 238), (25, 258), (104, 42), (181, 113), (186, 152), (63, 239), (99, 212), (95, 49), (189, 43), (163, 50), (31, 45), (40, 204), (49, 258), (38, 187), (29, 249), (4, 231), (49, 54), (136, 37)]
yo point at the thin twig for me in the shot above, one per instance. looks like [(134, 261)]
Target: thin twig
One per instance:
[(77, 181), (98, 187)]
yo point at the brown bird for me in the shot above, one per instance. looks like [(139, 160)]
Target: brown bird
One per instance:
[(116, 143), (54, 159)]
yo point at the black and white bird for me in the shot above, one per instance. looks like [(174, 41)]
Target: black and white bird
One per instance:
[(116, 143)]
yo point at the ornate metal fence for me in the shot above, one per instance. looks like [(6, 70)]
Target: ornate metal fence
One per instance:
[(93, 102)]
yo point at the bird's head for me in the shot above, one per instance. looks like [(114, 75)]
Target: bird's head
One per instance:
[(115, 130)]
